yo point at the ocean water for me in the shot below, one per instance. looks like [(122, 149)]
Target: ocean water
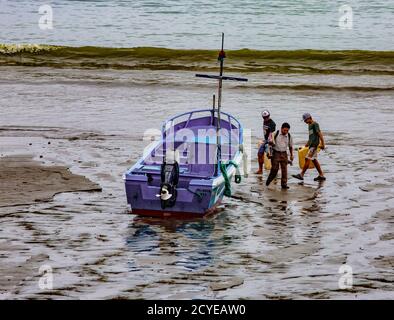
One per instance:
[(196, 24)]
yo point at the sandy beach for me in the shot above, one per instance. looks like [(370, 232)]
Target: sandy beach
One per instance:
[(24, 181), (67, 131)]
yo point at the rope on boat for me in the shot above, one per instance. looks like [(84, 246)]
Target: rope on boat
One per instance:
[(244, 160), (227, 183), (198, 194)]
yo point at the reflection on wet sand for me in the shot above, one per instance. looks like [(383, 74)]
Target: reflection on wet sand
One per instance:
[(187, 243)]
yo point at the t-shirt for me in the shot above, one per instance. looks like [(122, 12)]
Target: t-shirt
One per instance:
[(268, 127), (314, 138)]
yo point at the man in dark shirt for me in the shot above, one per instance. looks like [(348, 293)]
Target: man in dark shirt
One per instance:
[(315, 138), (269, 128)]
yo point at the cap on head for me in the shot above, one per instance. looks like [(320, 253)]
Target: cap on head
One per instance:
[(306, 116), (265, 114)]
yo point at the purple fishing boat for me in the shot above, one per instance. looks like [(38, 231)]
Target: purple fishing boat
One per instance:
[(190, 169)]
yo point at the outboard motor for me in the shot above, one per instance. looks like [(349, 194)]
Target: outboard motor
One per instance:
[(169, 180)]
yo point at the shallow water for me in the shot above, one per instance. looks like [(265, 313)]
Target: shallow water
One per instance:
[(262, 244)]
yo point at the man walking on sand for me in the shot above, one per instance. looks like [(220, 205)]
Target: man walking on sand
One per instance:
[(282, 141), (315, 138), (269, 127)]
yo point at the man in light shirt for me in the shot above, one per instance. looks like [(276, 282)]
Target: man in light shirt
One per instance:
[(282, 141)]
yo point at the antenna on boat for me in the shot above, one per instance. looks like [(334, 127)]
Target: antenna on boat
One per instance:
[(222, 56)]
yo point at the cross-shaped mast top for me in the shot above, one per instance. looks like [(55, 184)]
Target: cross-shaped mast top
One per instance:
[(220, 77)]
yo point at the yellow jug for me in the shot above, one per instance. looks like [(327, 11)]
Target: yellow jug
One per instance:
[(267, 162), (302, 153)]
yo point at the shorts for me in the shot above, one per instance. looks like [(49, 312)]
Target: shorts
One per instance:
[(263, 149), (312, 153)]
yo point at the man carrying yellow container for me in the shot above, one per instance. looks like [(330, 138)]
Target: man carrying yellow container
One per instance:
[(315, 141), (269, 127)]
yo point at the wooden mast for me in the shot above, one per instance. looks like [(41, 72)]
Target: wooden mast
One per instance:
[(222, 56)]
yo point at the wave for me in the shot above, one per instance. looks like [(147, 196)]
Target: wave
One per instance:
[(244, 60), (320, 87)]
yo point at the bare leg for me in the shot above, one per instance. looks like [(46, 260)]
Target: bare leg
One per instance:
[(306, 166), (261, 163), (318, 168)]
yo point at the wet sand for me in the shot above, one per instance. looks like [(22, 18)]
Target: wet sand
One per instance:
[(24, 181), (263, 244)]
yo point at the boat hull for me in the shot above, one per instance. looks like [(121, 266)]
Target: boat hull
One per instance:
[(200, 198), (201, 184)]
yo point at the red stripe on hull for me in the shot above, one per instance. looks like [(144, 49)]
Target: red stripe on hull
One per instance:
[(175, 214)]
